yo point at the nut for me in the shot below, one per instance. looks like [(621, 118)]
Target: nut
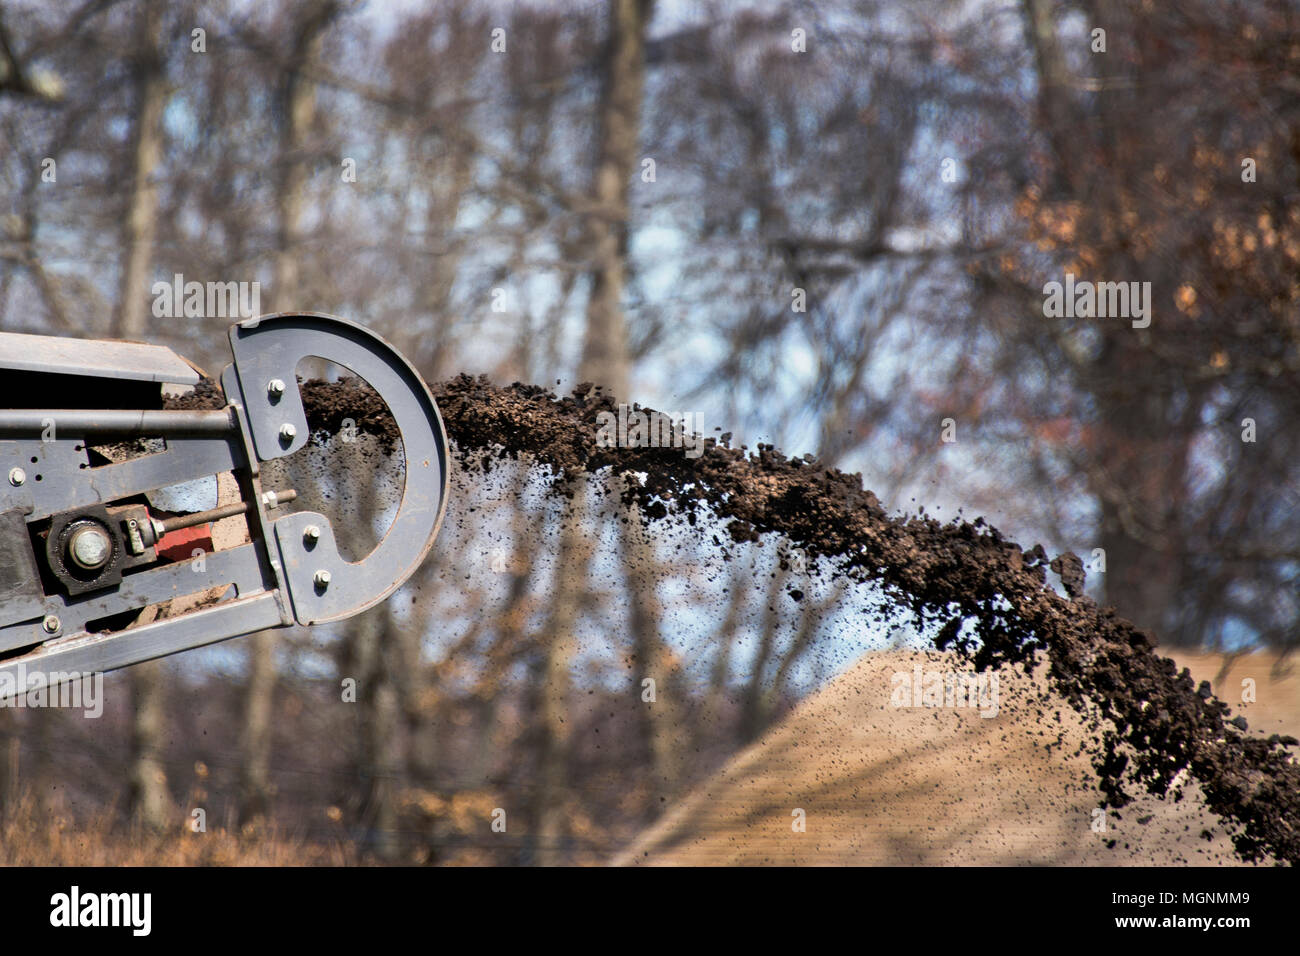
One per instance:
[(322, 579), (275, 387), (17, 476), (51, 624), (287, 433), (311, 534)]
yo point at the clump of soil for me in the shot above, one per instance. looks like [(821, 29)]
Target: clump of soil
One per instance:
[(331, 406), (1152, 725)]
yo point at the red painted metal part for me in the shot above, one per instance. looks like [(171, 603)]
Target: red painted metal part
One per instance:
[(181, 544)]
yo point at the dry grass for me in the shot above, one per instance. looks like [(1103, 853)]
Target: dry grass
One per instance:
[(32, 836)]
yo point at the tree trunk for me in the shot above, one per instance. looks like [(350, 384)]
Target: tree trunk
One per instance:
[(553, 687), (755, 700), (299, 106), (151, 801), (663, 721), (141, 221), (149, 797), (710, 726), (10, 754), (1144, 440), (604, 362), (381, 760), (605, 352), (1142, 490), (255, 736)]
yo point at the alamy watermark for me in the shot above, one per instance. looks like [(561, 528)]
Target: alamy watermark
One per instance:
[(179, 299), (930, 688), (634, 428), (1098, 300), (76, 690), (133, 911)]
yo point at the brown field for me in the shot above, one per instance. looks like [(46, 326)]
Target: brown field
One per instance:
[(942, 786), (30, 835)]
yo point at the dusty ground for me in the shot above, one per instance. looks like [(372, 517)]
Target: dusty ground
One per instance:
[(888, 785)]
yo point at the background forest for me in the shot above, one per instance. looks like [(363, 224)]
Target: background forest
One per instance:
[(824, 225)]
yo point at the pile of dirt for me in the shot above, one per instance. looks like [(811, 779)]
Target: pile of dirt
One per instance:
[(1149, 726), (849, 777)]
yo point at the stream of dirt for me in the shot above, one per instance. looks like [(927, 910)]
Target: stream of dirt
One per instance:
[(1150, 725)]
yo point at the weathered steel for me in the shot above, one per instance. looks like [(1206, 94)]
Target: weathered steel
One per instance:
[(113, 422), (291, 569), (270, 348), (97, 358)]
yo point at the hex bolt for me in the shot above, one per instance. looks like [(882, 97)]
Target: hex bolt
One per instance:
[(322, 579), (17, 476), (287, 433), (311, 534), (51, 624), (275, 387)]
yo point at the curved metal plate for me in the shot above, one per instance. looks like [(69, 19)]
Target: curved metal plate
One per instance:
[(271, 347)]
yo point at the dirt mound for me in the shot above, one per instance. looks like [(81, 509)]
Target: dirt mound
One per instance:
[(895, 785)]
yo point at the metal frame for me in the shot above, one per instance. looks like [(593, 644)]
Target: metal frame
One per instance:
[(278, 576)]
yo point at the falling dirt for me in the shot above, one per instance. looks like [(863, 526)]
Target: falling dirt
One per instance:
[(1149, 724)]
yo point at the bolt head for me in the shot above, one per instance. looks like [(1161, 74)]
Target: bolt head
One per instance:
[(322, 579), (311, 534), (17, 476), (90, 547), (51, 624), (287, 433), (275, 387)]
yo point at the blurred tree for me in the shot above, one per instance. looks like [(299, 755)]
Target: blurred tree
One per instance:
[(296, 103), (150, 799), (1189, 506)]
